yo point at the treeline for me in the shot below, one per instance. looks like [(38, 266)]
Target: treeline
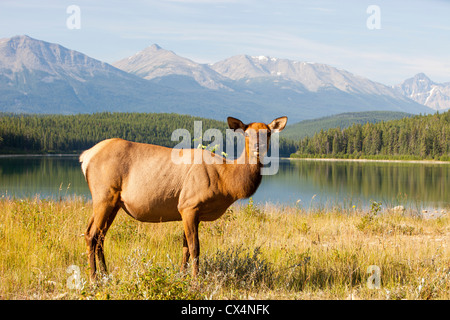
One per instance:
[(307, 128), (75, 133), (418, 137)]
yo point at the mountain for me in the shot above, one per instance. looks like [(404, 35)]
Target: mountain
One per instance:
[(421, 89), (270, 85), (41, 77), (311, 88), (313, 77), (155, 63), (307, 128)]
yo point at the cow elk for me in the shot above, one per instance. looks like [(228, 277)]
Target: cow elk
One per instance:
[(143, 181)]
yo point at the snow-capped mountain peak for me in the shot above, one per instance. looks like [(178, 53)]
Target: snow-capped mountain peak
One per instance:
[(42, 77), (313, 76), (423, 90)]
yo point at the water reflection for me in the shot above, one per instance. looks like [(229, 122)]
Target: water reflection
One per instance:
[(314, 183), (357, 183), (47, 177)]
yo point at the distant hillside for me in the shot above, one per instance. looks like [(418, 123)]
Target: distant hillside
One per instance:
[(308, 128), (75, 133), (409, 138)]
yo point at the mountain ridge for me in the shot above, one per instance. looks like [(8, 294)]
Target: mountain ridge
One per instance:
[(312, 75), (154, 62), (423, 90), (297, 76), (42, 77)]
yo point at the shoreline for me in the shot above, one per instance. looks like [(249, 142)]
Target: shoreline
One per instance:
[(280, 158), (371, 160), (16, 155)]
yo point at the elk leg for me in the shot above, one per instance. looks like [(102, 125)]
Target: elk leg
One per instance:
[(91, 243), (185, 260), (101, 219), (190, 224), (99, 251)]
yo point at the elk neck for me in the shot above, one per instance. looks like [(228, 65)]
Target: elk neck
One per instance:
[(243, 175)]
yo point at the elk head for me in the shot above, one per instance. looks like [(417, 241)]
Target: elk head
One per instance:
[(257, 135)]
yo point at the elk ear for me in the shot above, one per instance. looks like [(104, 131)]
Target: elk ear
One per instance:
[(278, 124), (236, 124)]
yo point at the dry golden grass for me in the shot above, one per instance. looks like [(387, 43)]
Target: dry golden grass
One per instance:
[(261, 252)]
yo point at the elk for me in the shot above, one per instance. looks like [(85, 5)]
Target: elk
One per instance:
[(143, 181)]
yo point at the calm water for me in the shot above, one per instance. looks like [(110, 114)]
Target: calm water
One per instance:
[(302, 183)]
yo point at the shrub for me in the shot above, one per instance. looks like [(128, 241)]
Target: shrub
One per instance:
[(239, 267)]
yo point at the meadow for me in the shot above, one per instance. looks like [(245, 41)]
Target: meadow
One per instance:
[(252, 252)]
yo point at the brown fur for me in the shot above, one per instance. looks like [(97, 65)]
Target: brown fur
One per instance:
[(143, 181)]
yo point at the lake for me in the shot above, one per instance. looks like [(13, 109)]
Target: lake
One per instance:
[(301, 183)]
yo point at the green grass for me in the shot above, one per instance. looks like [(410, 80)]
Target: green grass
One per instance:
[(253, 251)]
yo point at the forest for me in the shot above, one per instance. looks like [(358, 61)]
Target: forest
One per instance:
[(418, 137), (31, 133), (307, 128)]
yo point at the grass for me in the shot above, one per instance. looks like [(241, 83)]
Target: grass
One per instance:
[(253, 251)]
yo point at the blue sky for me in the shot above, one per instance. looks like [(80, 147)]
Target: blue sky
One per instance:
[(414, 35)]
